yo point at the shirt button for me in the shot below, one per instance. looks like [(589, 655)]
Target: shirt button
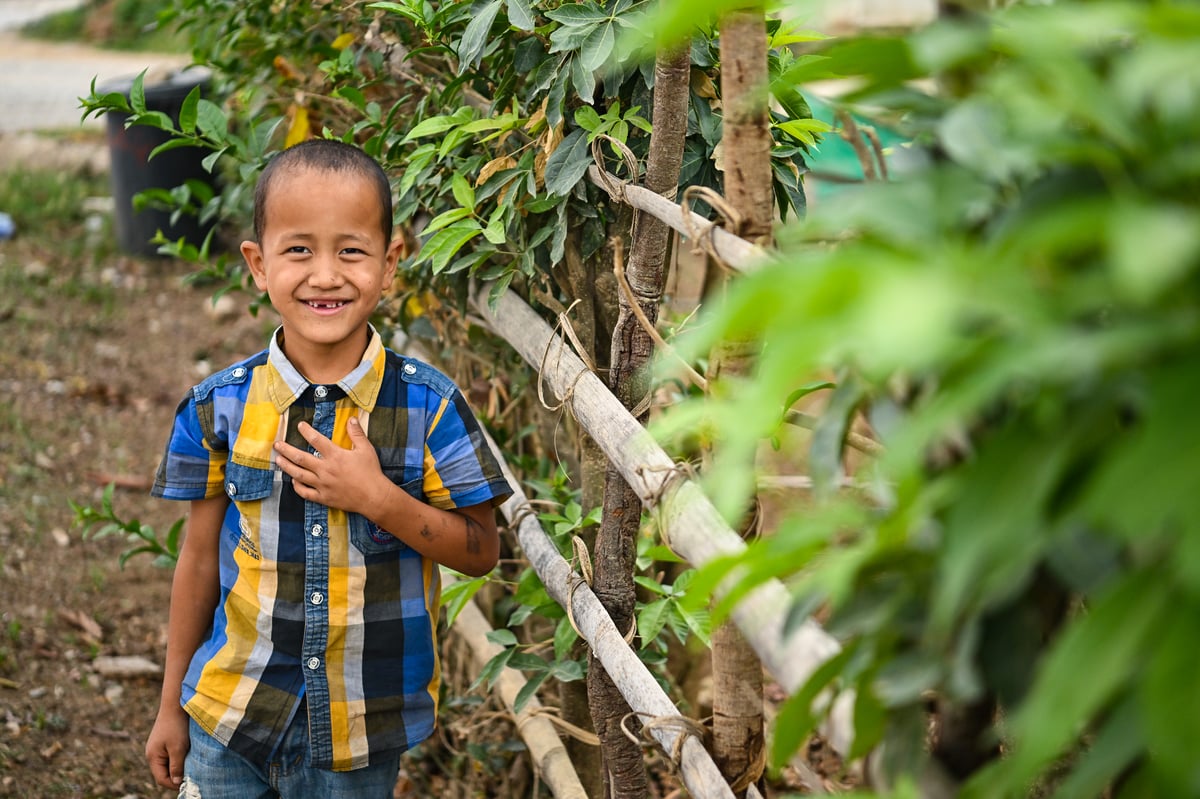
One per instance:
[(238, 372), (321, 391), (317, 597), (317, 530), (314, 663), (231, 488), (409, 369)]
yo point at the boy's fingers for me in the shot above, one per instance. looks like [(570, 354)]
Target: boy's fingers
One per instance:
[(160, 769)]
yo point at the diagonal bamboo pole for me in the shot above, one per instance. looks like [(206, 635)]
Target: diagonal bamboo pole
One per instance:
[(545, 747), (694, 527), (637, 685)]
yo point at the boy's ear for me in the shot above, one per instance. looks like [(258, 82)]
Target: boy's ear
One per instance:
[(395, 252), (254, 260)]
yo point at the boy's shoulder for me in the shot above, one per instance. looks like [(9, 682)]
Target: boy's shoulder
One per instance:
[(412, 370), (235, 374)]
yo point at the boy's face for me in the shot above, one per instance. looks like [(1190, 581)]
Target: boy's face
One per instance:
[(324, 263)]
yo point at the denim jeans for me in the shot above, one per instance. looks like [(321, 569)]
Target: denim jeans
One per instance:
[(212, 771)]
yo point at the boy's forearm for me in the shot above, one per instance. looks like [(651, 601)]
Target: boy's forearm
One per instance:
[(463, 539), (193, 600), (195, 589)]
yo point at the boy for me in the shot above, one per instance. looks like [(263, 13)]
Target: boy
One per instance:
[(328, 477)]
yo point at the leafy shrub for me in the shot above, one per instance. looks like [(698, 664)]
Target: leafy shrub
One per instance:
[(1018, 322)]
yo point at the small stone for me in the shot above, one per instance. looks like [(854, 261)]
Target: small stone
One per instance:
[(126, 666), (223, 309), (113, 693), (60, 537)]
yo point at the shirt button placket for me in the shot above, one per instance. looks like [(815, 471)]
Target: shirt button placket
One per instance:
[(316, 589)]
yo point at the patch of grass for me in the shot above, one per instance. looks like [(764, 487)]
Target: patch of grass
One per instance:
[(116, 24), (48, 204)]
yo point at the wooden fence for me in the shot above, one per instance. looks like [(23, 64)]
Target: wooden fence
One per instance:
[(690, 524)]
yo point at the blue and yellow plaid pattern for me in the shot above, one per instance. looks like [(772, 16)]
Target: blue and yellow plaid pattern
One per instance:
[(318, 605)]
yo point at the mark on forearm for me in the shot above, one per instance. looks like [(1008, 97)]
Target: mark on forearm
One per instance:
[(474, 536), (426, 532)]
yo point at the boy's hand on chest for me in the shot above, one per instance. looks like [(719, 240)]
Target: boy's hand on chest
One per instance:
[(347, 479)]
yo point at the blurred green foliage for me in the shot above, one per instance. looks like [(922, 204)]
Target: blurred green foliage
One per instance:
[(117, 24), (1019, 323)]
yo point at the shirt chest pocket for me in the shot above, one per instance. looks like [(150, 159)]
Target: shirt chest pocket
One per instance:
[(246, 483), (371, 539)]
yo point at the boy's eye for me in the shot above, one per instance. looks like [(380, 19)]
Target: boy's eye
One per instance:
[(353, 251), (297, 248)]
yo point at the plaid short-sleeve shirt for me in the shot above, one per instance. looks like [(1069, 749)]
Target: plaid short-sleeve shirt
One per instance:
[(317, 604)]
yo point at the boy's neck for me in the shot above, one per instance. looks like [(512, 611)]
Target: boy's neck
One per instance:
[(325, 365)]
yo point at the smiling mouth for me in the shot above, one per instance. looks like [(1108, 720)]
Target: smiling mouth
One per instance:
[(325, 306)]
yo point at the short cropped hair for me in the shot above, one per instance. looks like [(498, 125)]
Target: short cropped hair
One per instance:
[(326, 155)]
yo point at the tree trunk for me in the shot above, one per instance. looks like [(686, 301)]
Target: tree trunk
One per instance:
[(737, 674), (573, 696), (632, 347)]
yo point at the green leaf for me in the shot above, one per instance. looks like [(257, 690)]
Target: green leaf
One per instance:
[(578, 14), (435, 125), (597, 47), (520, 14), (587, 118), (463, 193), (529, 690), (352, 95), (1112, 750), (168, 145), (583, 79), (398, 8), (494, 232), (457, 594), (137, 94), (474, 39), (829, 435), (447, 218), (564, 638), (568, 670), (502, 637), (1170, 702), (491, 670), (1106, 645), (797, 719), (651, 620), (189, 111), (210, 160), (568, 164), (210, 120), (650, 584), (444, 244), (154, 119), (870, 721)]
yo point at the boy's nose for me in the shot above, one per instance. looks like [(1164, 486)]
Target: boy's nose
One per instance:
[(325, 273)]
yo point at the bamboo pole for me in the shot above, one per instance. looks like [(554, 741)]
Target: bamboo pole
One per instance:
[(687, 518), (547, 750), (732, 250), (637, 685)]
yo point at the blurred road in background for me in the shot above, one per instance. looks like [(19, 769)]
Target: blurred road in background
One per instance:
[(41, 82)]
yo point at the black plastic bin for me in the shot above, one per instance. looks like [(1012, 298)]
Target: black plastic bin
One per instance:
[(132, 171)]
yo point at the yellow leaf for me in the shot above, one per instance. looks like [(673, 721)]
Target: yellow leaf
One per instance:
[(285, 68), (703, 86), (299, 130), (494, 166), (414, 308), (538, 118), (343, 41)]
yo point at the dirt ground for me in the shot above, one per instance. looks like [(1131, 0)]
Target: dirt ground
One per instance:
[(96, 354)]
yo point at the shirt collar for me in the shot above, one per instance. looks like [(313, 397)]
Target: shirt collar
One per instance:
[(285, 384)]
